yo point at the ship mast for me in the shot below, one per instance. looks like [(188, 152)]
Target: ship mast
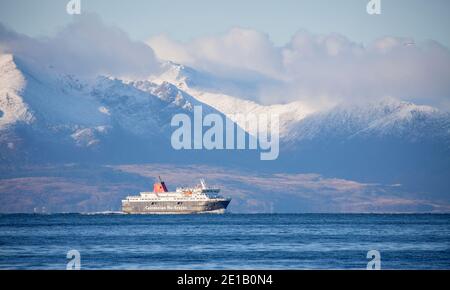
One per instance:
[(203, 183)]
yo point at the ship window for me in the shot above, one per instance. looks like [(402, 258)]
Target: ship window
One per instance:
[(179, 203), (153, 203)]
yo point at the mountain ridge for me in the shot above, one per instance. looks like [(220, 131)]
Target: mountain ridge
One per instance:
[(53, 117)]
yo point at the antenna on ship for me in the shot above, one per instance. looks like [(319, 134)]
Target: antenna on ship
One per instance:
[(203, 183)]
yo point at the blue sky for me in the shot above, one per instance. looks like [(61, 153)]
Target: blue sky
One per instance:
[(183, 20)]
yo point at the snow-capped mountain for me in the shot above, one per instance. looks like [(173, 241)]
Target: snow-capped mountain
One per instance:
[(47, 116), (50, 116), (382, 119), (387, 117), (42, 109), (217, 93), (388, 140)]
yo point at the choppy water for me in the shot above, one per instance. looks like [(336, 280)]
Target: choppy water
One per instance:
[(232, 241)]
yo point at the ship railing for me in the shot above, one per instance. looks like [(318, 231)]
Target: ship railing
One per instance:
[(198, 187)]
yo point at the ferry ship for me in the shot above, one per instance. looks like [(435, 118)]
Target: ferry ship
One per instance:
[(185, 200)]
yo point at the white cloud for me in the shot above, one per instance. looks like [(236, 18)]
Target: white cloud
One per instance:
[(86, 46), (239, 49), (321, 68)]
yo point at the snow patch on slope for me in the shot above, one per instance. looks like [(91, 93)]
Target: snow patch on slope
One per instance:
[(87, 137), (12, 107)]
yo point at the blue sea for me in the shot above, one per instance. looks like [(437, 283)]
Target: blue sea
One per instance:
[(230, 241)]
